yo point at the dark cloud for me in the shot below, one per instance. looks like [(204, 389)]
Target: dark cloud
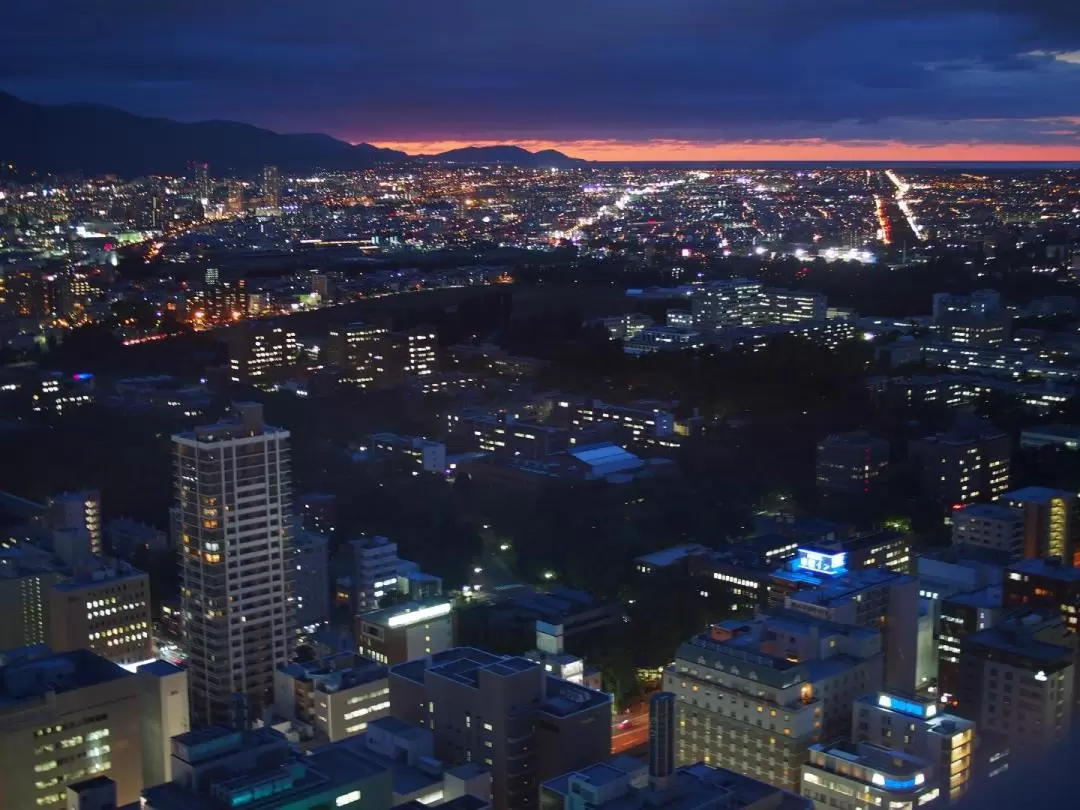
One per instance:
[(923, 70)]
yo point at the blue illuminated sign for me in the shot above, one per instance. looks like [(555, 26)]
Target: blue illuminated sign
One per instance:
[(822, 562), (908, 707)]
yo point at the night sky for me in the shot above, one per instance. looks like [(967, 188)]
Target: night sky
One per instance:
[(605, 79)]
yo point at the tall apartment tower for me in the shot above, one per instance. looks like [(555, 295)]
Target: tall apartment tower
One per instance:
[(271, 186), (661, 738), (234, 491)]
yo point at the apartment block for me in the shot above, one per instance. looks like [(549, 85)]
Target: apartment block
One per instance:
[(337, 696), (993, 526)]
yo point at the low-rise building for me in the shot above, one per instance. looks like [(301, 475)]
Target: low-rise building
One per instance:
[(336, 696), (993, 526), (404, 632), (873, 775)]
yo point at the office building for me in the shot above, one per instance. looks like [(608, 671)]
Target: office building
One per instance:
[(27, 575), (260, 354), (377, 566), (234, 199), (1050, 522), (616, 786), (401, 633), (311, 582), (221, 768), (725, 304), (413, 452), (506, 714), (503, 435), (1017, 679), (972, 329), (959, 616), (271, 187), (164, 712), (992, 526), (872, 775), (852, 463), (980, 302), (819, 584), (1046, 584), (412, 353), (754, 695), (630, 423), (65, 717), (622, 327), (359, 350), (336, 696), (967, 464), (234, 490), (104, 608), (73, 520), (918, 727)]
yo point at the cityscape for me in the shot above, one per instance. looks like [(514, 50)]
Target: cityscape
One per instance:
[(552, 459)]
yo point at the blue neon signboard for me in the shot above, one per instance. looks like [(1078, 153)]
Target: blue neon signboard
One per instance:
[(821, 562)]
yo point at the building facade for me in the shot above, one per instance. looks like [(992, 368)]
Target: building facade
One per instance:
[(234, 490)]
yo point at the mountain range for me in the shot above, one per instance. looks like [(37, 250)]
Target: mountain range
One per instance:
[(96, 139)]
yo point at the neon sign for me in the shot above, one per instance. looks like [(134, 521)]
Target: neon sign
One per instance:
[(822, 562)]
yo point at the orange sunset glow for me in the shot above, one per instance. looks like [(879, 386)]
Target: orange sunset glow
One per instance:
[(791, 150)]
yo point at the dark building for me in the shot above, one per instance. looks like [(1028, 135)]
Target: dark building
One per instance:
[(961, 615), (969, 463), (661, 737), (851, 463)]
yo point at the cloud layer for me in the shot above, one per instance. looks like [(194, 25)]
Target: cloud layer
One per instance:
[(713, 74)]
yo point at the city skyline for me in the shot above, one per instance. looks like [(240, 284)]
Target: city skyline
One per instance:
[(844, 81)]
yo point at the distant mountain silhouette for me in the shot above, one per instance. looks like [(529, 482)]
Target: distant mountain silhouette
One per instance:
[(96, 139), (510, 156)]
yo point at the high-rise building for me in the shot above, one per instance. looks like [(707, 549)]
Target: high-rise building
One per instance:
[(1051, 522), (918, 727), (234, 200), (851, 463), (993, 526), (754, 695), (259, 354), (164, 712), (105, 608), (203, 191), (661, 737), (234, 489), (402, 633), (505, 713), (271, 187), (967, 464), (73, 520), (311, 586), (1017, 679), (65, 717)]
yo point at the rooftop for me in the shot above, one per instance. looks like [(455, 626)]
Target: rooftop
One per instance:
[(691, 787), (669, 556), (1041, 495), (1051, 568), (30, 672)]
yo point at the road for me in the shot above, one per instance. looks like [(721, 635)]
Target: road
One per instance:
[(630, 730)]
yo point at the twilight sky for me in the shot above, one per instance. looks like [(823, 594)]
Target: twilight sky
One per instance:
[(605, 79)]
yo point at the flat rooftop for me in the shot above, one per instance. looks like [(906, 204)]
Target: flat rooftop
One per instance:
[(1046, 568), (1042, 495), (27, 680)]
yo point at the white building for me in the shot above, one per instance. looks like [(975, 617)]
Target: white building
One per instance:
[(234, 490), (990, 525)]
